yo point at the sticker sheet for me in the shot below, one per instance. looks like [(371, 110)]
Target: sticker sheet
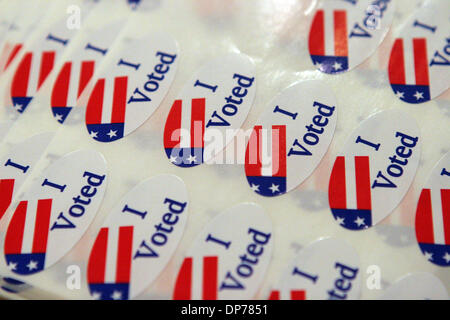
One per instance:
[(284, 150)]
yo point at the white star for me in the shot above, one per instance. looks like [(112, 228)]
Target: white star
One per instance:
[(400, 95), (274, 188), (93, 134), (112, 133), (360, 221), (446, 257), (418, 95), (340, 220), (337, 66), (18, 107), (319, 65), (255, 187), (117, 295), (428, 255), (96, 295), (173, 159), (32, 265), (12, 266), (58, 117), (192, 158)]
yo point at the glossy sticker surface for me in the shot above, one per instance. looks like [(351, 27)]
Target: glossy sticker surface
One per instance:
[(374, 170), (416, 286), (55, 212), (18, 164), (345, 33), (37, 63), (419, 64), (74, 75), (433, 215), (211, 106), (229, 258), (23, 25), (290, 138), (138, 238), (132, 88), (326, 269)]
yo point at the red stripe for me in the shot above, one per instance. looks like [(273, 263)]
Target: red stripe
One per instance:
[(86, 72), (421, 62), (317, 35), (15, 50), (61, 87), (298, 295), (95, 103), (124, 254), (184, 281), (274, 295), (210, 271), (445, 200), (173, 125), (340, 33), (19, 86), (119, 100), (397, 64), (253, 154), (6, 193), (336, 189), (279, 151), (97, 258), (362, 173), (424, 218), (198, 122), (47, 61), (42, 226), (14, 234)]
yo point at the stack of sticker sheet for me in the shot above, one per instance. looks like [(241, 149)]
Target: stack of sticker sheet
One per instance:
[(212, 149)]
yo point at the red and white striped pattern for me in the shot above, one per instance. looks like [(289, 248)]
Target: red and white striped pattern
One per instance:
[(70, 83), (408, 64), (197, 279), (433, 217), (328, 35), (288, 295), (350, 183), (111, 256), (31, 73), (266, 152), (29, 227), (189, 121), (104, 107)]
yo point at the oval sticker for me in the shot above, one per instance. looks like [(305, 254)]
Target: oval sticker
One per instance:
[(326, 269), (17, 165), (130, 90), (416, 286), (212, 105), (137, 240), (229, 258), (55, 212), (290, 138), (14, 36), (374, 170), (37, 63), (433, 215), (345, 33), (75, 74), (420, 57)]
